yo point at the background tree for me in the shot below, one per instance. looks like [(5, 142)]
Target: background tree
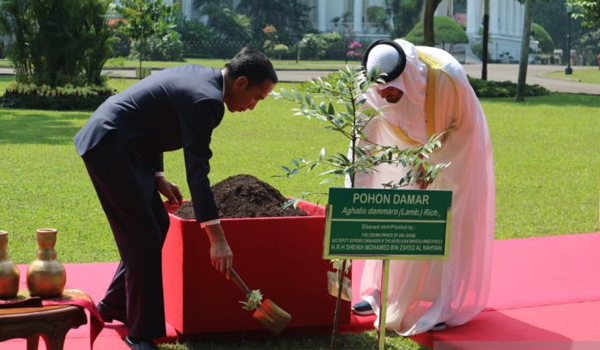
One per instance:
[(546, 44), (290, 17), (589, 10), (403, 14), (552, 15), (144, 19), (485, 39), (589, 46), (428, 25), (447, 31), (589, 43), (224, 21), (57, 42), (524, 60)]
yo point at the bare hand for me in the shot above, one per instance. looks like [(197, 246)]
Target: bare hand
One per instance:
[(221, 257), (169, 190)]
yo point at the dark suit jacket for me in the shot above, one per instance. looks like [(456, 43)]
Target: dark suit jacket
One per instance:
[(177, 107)]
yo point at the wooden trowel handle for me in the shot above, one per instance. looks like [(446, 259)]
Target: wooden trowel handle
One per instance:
[(238, 282)]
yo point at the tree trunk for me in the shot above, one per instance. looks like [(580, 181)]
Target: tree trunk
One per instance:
[(486, 37), (524, 51), (428, 32)]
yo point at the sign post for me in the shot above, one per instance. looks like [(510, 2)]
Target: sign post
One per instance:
[(364, 223)]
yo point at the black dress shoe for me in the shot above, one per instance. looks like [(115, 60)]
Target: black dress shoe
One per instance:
[(363, 308), (140, 344), (110, 314), (438, 327)]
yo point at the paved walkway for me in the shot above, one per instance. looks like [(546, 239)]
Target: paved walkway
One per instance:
[(534, 76), (498, 72)]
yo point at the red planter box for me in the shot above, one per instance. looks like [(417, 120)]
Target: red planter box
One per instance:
[(281, 256)]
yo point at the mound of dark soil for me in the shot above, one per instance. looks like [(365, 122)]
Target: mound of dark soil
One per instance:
[(245, 196)]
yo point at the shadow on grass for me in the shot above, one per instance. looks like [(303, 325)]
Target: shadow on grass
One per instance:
[(6, 77), (45, 127), (554, 99)]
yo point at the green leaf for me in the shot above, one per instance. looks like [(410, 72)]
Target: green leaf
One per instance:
[(328, 180)]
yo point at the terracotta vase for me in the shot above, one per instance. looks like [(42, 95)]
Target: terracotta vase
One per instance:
[(9, 274), (46, 277)]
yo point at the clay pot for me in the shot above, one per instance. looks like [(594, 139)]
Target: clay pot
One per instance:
[(46, 276), (9, 274)]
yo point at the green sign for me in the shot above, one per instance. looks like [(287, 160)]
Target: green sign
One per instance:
[(387, 223)]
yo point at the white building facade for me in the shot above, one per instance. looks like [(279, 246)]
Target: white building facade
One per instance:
[(506, 28)]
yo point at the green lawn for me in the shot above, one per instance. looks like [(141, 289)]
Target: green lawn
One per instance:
[(218, 63), (547, 169), (546, 162), (586, 75)]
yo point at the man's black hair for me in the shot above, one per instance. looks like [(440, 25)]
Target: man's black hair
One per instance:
[(253, 65)]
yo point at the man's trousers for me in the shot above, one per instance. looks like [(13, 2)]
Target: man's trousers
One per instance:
[(125, 184)]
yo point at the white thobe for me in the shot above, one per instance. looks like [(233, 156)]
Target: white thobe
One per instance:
[(424, 293)]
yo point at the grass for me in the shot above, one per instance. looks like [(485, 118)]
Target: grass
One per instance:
[(545, 160), (586, 75), (120, 62), (362, 341)]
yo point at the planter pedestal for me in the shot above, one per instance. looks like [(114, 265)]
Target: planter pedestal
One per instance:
[(281, 256)]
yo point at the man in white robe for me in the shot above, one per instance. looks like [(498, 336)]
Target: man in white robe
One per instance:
[(431, 95)]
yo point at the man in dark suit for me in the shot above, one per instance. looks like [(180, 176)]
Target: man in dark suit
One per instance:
[(122, 147)]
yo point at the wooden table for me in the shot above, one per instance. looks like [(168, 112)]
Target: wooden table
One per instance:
[(52, 322)]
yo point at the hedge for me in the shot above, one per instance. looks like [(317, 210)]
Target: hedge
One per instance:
[(61, 98)]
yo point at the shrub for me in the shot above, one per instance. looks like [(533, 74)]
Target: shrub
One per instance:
[(355, 50), (159, 47), (319, 46), (478, 51), (280, 49), (65, 98), (546, 45), (447, 31), (151, 25), (488, 88)]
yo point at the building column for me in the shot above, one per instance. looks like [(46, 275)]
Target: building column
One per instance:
[(188, 6), (518, 22), (504, 27), (521, 19), (473, 20), (322, 15), (358, 16), (494, 16), (512, 17)]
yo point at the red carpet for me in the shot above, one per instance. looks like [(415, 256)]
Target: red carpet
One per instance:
[(545, 294)]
